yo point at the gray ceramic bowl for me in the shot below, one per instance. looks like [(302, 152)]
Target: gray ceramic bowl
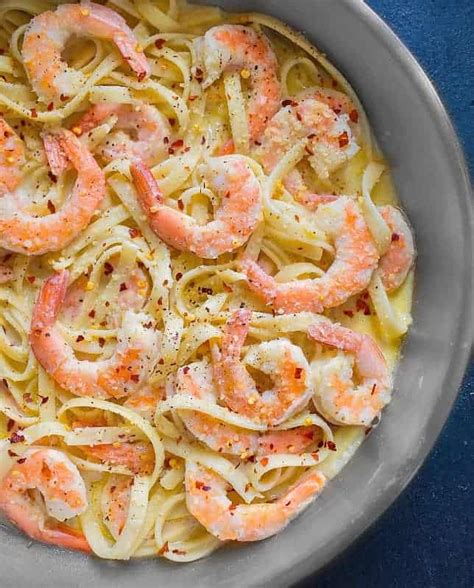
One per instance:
[(416, 135)]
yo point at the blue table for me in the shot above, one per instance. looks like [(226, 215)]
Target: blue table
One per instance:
[(426, 538)]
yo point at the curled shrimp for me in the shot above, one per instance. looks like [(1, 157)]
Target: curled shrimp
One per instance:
[(206, 499), (235, 220), (324, 117), (139, 133), (239, 48), (63, 491), (282, 361), (46, 37), (138, 457), (336, 396), (398, 260), (32, 235), (356, 258), (124, 372), (196, 381)]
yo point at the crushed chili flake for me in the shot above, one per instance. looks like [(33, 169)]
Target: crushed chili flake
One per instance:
[(349, 313), (123, 287), (343, 139), (180, 204), (10, 424), (135, 378), (172, 121), (79, 338), (101, 341), (34, 113), (91, 313), (289, 102), (16, 438), (178, 276), (21, 460), (44, 399), (52, 177), (179, 552), (31, 279), (395, 237), (164, 549), (264, 461), (159, 43), (320, 444), (177, 144), (12, 453), (185, 370), (331, 446), (368, 430), (108, 268), (133, 232), (51, 207), (298, 373), (50, 107), (354, 116), (63, 97)]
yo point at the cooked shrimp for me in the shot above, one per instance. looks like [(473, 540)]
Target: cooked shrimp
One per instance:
[(144, 401), (12, 158), (146, 130), (282, 361), (196, 381), (63, 491), (32, 235), (138, 457), (120, 375), (206, 499), (115, 500), (323, 117), (235, 220), (239, 48), (398, 261), (336, 396), (46, 37), (355, 260)]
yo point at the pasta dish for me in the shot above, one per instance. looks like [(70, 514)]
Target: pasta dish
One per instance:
[(205, 277)]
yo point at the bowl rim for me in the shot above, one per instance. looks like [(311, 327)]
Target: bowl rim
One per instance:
[(464, 345)]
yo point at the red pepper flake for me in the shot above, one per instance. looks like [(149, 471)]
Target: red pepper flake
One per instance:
[(395, 237), (16, 438), (331, 446), (226, 287), (108, 268), (343, 139), (315, 455), (21, 460), (91, 313), (199, 74), (288, 503), (368, 431), (34, 113), (264, 461), (179, 552), (123, 287), (159, 43), (361, 305), (79, 338), (289, 102), (199, 485), (349, 313), (164, 549), (134, 232), (166, 140), (180, 204), (10, 424), (192, 98), (185, 370), (374, 387), (311, 136), (52, 177), (308, 150), (50, 107), (354, 116), (177, 144), (101, 341), (63, 97), (320, 444), (232, 507), (12, 453), (44, 399), (135, 378), (161, 361), (31, 279), (160, 301), (51, 207), (179, 275), (298, 373), (27, 397), (172, 121)]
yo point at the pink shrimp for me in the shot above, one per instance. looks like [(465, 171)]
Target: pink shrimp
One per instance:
[(63, 490), (144, 401), (235, 220), (355, 260), (206, 499), (327, 118), (400, 257), (138, 457), (336, 396), (32, 235), (46, 37), (282, 361), (12, 158), (196, 381), (146, 131), (238, 48), (115, 500), (124, 372)]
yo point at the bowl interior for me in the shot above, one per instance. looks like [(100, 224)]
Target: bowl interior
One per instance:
[(416, 136)]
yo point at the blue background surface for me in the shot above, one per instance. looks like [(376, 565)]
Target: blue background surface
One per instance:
[(426, 538)]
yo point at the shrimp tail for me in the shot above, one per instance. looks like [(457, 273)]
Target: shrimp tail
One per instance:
[(148, 191), (334, 336), (66, 537), (49, 302)]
